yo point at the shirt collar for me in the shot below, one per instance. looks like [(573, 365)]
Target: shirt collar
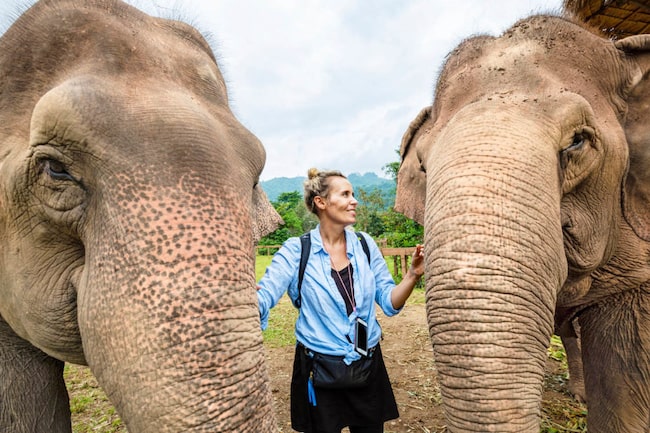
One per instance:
[(317, 241)]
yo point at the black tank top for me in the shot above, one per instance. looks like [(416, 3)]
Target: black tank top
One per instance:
[(346, 277)]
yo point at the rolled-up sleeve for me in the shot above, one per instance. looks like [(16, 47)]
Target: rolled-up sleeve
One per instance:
[(280, 277)]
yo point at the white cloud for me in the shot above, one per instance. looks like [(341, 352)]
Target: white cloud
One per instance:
[(334, 84)]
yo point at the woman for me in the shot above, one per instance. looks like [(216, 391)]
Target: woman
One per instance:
[(337, 297)]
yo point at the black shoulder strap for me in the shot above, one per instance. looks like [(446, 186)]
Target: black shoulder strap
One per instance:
[(364, 245), (305, 244)]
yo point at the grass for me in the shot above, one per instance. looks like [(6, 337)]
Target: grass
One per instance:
[(556, 351), (573, 414), (261, 263), (90, 409)]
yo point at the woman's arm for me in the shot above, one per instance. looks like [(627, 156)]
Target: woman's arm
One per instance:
[(403, 290), (278, 278)]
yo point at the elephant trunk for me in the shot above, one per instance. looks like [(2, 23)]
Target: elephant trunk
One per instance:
[(493, 269), (169, 317)]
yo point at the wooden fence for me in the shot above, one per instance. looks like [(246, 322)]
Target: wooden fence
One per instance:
[(401, 256)]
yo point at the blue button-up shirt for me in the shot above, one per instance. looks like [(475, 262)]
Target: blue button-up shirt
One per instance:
[(323, 324)]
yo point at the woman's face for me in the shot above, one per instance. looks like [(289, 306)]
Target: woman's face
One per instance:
[(340, 205)]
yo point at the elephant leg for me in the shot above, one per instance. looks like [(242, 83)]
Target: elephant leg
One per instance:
[(571, 343), (615, 342), (33, 396)]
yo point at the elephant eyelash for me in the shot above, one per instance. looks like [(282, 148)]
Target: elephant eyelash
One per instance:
[(578, 142)]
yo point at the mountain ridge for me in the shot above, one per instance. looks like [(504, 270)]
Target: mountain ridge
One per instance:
[(367, 181)]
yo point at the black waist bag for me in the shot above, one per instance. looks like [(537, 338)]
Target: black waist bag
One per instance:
[(330, 371)]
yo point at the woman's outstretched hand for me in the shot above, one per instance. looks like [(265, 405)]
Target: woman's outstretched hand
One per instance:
[(417, 262), (403, 290)]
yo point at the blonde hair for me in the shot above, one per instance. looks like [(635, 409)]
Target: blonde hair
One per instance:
[(317, 184)]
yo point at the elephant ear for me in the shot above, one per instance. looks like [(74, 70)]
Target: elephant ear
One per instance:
[(265, 217), (411, 178), (636, 189)]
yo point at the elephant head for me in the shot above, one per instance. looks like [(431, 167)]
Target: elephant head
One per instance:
[(129, 210), (530, 174)]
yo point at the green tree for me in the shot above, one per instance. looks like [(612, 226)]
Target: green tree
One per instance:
[(392, 168), (297, 219), (399, 230), (371, 206), (308, 219)]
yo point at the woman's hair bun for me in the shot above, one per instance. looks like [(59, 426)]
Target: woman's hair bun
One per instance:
[(312, 173)]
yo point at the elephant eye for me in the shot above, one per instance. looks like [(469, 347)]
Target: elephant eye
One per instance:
[(580, 138), (577, 143), (56, 170)]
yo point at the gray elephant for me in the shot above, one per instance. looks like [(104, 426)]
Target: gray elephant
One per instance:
[(530, 175), (129, 212)]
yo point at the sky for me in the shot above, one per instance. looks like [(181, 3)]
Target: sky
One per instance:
[(334, 84)]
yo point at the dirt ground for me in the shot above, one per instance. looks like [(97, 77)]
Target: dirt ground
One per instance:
[(409, 360)]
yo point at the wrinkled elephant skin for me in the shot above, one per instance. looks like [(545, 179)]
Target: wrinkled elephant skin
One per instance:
[(530, 174), (130, 211)]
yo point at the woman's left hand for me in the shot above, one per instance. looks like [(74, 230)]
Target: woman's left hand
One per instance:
[(417, 262)]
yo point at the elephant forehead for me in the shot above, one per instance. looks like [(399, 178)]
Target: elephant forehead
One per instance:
[(109, 39), (503, 66), (166, 125), (541, 57), (507, 53)]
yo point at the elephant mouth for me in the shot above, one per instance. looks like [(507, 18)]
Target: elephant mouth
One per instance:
[(580, 260), (573, 291), (570, 239), (568, 230)]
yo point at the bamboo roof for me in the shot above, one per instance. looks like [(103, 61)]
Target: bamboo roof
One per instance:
[(615, 18)]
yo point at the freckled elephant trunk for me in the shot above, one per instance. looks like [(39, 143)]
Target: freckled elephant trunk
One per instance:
[(175, 327), (490, 313)]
